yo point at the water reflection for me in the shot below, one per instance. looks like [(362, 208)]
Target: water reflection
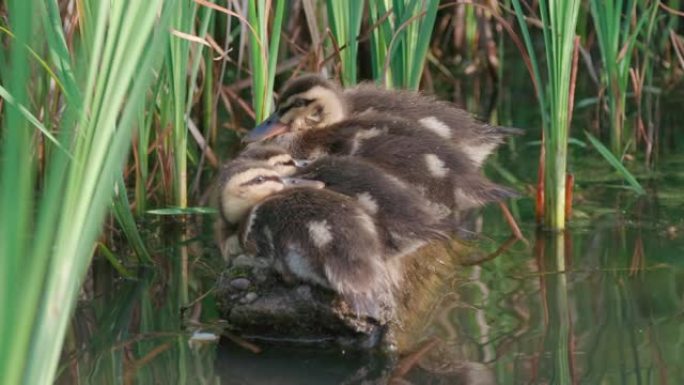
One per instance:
[(602, 304)]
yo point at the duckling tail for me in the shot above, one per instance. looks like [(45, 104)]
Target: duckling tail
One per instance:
[(504, 131), (480, 192)]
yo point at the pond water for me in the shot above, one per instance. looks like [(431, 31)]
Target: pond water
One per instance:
[(601, 304)]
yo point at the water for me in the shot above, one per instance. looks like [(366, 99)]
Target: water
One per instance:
[(603, 304)]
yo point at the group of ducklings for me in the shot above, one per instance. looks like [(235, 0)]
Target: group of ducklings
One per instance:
[(350, 180)]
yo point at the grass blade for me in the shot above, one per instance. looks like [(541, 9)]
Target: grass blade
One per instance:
[(616, 163)]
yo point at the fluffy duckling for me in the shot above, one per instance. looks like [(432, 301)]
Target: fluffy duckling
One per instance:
[(312, 102), (275, 156), (405, 220), (309, 234), (404, 217), (441, 173)]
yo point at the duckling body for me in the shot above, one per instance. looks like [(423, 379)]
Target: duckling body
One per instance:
[(446, 177), (312, 102), (405, 220), (309, 234), (275, 156)]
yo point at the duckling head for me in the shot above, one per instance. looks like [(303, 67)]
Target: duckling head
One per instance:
[(244, 184), (275, 156), (306, 103)]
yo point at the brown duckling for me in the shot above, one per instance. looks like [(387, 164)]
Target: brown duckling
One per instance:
[(309, 234), (276, 157), (405, 219), (441, 173), (312, 102)]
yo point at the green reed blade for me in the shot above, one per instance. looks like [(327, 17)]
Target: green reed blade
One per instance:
[(123, 214), (560, 21), (616, 163), (47, 243), (421, 44), (263, 58), (345, 22), (274, 45), (16, 193), (400, 43)]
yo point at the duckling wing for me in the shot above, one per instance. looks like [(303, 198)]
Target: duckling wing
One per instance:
[(404, 218), (477, 139)]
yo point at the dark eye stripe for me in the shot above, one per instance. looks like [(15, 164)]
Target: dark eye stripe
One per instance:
[(295, 103), (261, 179), (288, 163)]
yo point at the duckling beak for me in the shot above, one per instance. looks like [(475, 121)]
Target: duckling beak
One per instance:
[(267, 129), (299, 182)]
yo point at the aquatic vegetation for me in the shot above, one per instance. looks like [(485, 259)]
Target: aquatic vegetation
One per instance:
[(48, 237), (400, 42), (129, 106), (263, 49), (345, 22), (617, 36), (555, 99)]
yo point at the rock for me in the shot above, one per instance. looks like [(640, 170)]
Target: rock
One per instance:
[(310, 314), (240, 283), (251, 297)]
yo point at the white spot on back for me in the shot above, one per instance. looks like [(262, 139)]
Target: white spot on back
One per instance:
[(478, 153), (366, 222), (397, 181), (435, 166), (367, 202), (300, 266), (439, 210), (320, 232), (364, 135), (437, 126)]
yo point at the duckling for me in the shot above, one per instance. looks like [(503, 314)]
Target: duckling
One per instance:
[(405, 220), (309, 234), (276, 157), (312, 102), (442, 174)]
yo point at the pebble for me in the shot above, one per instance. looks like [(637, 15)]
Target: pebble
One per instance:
[(251, 297), (240, 283)]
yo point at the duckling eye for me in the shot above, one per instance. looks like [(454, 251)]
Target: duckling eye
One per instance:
[(260, 179), (299, 103)]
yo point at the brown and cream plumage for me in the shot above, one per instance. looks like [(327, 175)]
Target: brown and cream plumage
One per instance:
[(312, 102), (309, 233)]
